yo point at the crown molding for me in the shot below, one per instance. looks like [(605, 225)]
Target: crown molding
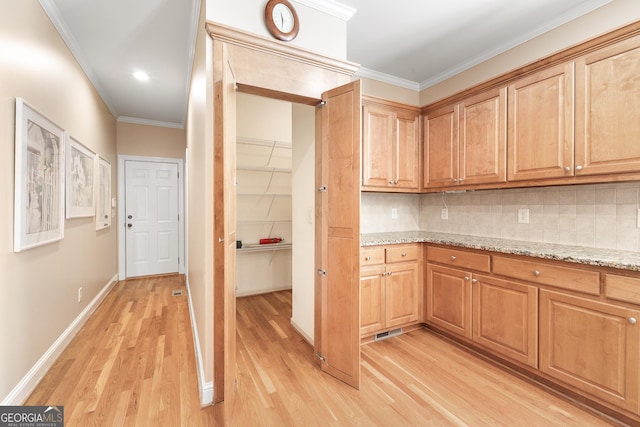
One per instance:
[(387, 78), (54, 15), (330, 7), (138, 121)]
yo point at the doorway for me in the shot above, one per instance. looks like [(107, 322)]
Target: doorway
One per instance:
[(151, 237)]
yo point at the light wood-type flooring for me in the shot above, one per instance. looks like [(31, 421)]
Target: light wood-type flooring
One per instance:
[(133, 364)]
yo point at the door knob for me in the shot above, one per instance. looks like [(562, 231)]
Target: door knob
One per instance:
[(129, 225), (129, 217)]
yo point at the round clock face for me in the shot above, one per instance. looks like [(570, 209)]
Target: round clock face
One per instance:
[(283, 18)]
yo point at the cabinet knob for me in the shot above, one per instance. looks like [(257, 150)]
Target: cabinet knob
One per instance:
[(474, 280), (390, 182), (466, 278), (453, 257), (567, 169), (455, 179), (536, 273), (404, 254), (367, 258), (632, 320), (578, 168), (389, 273), (395, 182)]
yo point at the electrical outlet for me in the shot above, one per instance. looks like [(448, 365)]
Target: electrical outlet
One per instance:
[(80, 294), (394, 213), (523, 216), (444, 213)]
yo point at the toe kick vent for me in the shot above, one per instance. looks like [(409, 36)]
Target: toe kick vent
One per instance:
[(177, 293), (388, 334)]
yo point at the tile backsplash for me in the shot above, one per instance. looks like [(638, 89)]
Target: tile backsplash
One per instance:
[(598, 215)]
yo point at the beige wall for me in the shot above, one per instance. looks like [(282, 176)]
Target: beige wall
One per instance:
[(152, 141), (39, 286), (613, 15), (389, 92), (199, 203)]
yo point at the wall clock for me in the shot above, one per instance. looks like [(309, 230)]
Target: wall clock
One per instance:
[(282, 20)]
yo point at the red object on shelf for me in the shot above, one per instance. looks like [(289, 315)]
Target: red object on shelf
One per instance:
[(270, 240)]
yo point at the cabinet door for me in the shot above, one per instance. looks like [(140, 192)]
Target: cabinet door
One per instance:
[(449, 299), (505, 318), (540, 129), (591, 346), (441, 147), (402, 294), (406, 163), (372, 299), (377, 147), (607, 110), (483, 138)]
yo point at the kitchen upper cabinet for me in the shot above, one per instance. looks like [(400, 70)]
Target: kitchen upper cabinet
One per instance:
[(540, 130), (592, 346), (505, 318), (465, 144), (607, 138), (390, 147)]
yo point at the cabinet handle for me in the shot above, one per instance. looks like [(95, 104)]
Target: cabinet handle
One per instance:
[(536, 273), (367, 258), (453, 257), (567, 169), (404, 254), (632, 320), (578, 168), (466, 278)]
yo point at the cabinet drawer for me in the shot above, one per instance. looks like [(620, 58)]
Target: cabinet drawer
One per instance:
[(371, 256), (462, 259), (402, 253), (548, 274), (622, 288)]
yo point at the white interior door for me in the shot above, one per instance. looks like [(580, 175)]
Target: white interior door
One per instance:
[(151, 218)]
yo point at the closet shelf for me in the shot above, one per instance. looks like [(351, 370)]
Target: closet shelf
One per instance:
[(256, 247)]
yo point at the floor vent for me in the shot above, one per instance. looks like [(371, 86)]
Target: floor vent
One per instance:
[(388, 334), (177, 293)]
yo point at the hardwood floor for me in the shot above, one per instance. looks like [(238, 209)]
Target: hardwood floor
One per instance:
[(133, 364)]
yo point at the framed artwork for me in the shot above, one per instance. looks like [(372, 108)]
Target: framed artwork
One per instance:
[(39, 179), (81, 167), (103, 196)]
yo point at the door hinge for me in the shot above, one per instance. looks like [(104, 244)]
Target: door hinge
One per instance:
[(321, 357), (321, 103), (322, 272), (322, 189), (178, 260)]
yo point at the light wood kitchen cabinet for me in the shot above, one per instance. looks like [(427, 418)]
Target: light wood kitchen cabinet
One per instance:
[(448, 299), (592, 346), (390, 147), (540, 131), (465, 144), (505, 318), (607, 131), (391, 291)]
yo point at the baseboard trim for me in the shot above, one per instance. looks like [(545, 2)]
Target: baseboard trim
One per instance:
[(299, 330), (240, 294), (28, 383), (205, 388)]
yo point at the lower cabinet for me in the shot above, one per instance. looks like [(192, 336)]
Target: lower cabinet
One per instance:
[(592, 346), (390, 290), (448, 299)]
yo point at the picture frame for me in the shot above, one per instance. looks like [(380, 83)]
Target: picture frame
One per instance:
[(80, 179), (103, 194), (39, 179)]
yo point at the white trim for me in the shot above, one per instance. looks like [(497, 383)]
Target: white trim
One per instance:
[(299, 330), (263, 291), (387, 78), (158, 123), (28, 383), (122, 260), (205, 388), (330, 7)]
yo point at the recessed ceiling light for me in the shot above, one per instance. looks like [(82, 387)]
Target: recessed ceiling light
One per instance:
[(141, 75)]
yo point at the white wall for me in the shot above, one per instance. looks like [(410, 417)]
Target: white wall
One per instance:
[(319, 32), (303, 190)]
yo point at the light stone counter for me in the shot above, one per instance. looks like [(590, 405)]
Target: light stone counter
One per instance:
[(625, 260)]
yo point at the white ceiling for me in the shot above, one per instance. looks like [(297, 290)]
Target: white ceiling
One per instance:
[(411, 43)]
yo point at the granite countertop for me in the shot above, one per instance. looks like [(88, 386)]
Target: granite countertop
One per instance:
[(626, 260)]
